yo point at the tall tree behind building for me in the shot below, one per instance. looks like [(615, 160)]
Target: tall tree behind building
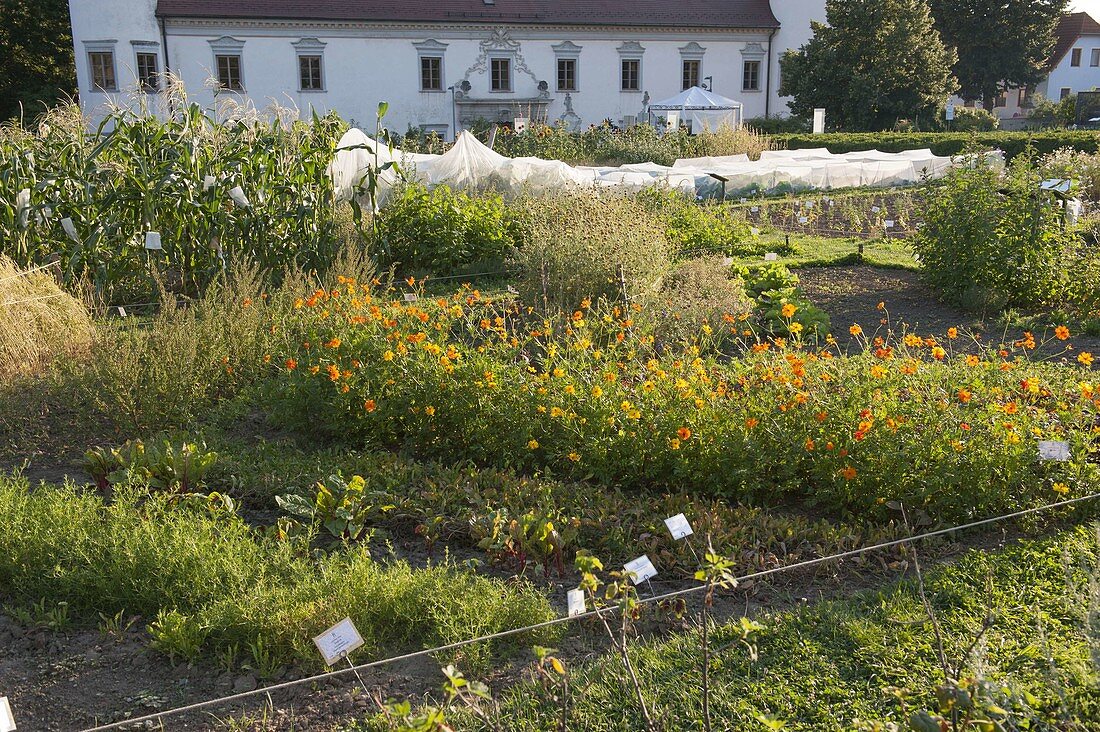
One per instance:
[(36, 56), (876, 62), (1000, 43)]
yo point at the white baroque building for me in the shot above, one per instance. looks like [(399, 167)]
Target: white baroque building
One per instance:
[(440, 64)]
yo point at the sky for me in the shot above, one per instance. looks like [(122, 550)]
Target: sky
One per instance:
[(1092, 7)]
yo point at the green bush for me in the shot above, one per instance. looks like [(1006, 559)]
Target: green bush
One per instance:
[(574, 245), (946, 143), (213, 583), (759, 280), (973, 119), (697, 229), (1080, 166), (807, 321), (991, 240), (441, 231)]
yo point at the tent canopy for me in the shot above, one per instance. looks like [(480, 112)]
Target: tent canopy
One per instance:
[(695, 98)]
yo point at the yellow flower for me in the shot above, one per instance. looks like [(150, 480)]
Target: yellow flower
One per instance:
[(597, 392), (570, 389), (574, 457), (1060, 488), (533, 445), (972, 360), (938, 353), (795, 328), (952, 333), (1061, 332), (674, 444), (855, 330), (387, 356), (789, 310), (430, 411), (1084, 358)]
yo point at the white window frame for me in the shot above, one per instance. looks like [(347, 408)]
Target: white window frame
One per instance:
[(511, 60), (104, 46), (148, 48), (431, 48), (692, 52), (306, 47), (750, 53), (631, 51), (1075, 57), (229, 46), (568, 51)]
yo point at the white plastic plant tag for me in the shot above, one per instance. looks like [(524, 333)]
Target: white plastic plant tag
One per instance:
[(679, 526), (121, 312), (152, 240), (771, 257), (744, 200), (889, 223), (641, 569), (237, 194), (1054, 450), (802, 219), (755, 209), (338, 641), (411, 297), (755, 231), (809, 204), (875, 209), (208, 182), (575, 598), (69, 228), (7, 719)]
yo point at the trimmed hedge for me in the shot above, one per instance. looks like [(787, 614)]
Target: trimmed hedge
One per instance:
[(945, 143)]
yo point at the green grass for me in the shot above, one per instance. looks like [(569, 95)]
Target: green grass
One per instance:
[(812, 251), (215, 584), (824, 667)]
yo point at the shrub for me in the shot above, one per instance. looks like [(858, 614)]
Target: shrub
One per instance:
[(213, 583), (788, 312), (574, 245), (990, 241), (699, 293), (973, 119), (443, 231), (39, 322), (759, 280), (946, 143), (696, 229)]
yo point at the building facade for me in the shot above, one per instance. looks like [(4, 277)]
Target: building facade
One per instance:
[(439, 65)]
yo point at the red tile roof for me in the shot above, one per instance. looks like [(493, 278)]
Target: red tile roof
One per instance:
[(661, 13), (1071, 26)]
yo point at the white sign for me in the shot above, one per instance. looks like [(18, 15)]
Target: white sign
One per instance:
[(802, 219), (121, 312), (411, 297), (743, 200), (1054, 450), (809, 204), (576, 602), (641, 569), (875, 209), (7, 719), (678, 526), (949, 114), (673, 120), (338, 641), (819, 121), (520, 123), (771, 257), (889, 223), (152, 240)]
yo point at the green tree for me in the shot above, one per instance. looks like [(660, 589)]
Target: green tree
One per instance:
[(36, 63), (876, 62), (1000, 43)]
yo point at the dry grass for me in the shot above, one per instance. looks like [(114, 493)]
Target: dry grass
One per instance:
[(39, 321)]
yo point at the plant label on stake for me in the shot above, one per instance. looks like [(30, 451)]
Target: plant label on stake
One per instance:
[(754, 209), (641, 569), (121, 312), (1054, 450), (338, 641), (7, 719), (802, 219), (411, 297), (889, 223), (152, 240), (679, 526), (771, 257), (875, 209), (575, 598)]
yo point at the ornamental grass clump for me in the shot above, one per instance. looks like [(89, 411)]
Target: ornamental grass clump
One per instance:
[(39, 321), (948, 426)]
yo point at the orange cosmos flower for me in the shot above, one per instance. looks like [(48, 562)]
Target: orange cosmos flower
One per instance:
[(972, 360), (291, 364), (751, 422), (809, 445), (855, 330), (964, 396), (1010, 408), (683, 433), (938, 353), (952, 333), (333, 372), (370, 405), (334, 343), (1061, 332), (848, 473)]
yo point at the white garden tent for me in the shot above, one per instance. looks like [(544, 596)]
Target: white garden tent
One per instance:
[(704, 109)]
